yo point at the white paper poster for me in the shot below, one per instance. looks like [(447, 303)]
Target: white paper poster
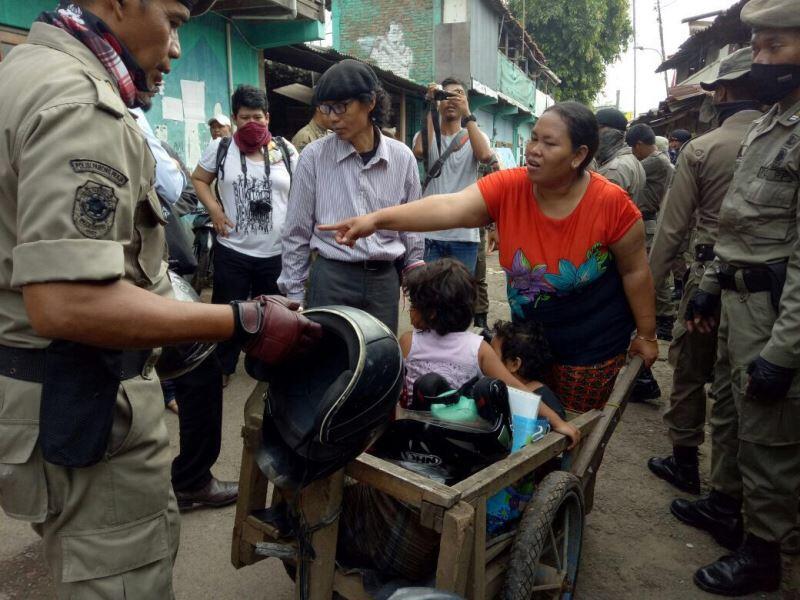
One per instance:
[(194, 100), (172, 108)]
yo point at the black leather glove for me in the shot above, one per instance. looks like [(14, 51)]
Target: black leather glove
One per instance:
[(768, 382), (702, 304)]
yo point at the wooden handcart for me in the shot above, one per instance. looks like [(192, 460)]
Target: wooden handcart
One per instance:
[(539, 559)]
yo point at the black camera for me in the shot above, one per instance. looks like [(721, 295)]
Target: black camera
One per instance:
[(443, 95)]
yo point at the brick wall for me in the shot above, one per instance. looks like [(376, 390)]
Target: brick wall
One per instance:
[(396, 35)]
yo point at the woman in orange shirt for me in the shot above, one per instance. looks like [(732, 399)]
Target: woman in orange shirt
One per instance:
[(571, 243)]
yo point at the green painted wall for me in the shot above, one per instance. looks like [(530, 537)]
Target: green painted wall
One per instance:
[(203, 66)]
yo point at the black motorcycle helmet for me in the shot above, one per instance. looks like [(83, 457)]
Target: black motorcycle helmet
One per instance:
[(179, 359), (449, 451), (323, 408)]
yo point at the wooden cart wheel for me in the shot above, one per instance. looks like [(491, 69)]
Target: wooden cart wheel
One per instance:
[(546, 552)]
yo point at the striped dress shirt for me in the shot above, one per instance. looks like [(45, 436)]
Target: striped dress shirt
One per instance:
[(331, 183)]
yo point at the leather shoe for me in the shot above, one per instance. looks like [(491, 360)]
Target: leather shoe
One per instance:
[(684, 476), (215, 494), (481, 320), (754, 567), (718, 514)]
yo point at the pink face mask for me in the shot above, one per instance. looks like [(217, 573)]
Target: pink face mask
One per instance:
[(252, 137)]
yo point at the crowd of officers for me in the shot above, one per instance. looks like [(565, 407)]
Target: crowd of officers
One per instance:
[(736, 189), (81, 246)]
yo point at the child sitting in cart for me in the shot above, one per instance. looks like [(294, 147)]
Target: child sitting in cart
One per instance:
[(442, 296), (525, 352)]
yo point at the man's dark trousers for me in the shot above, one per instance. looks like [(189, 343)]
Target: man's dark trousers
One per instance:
[(373, 287), (239, 276), (199, 397)]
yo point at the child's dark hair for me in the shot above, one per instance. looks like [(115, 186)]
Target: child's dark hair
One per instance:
[(526, 342), (443, 292)]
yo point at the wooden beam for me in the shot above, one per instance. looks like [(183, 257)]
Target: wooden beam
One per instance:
[(400, 483), (320, 501), (476, 587), (495, 477), (455, 549), (590, 457)]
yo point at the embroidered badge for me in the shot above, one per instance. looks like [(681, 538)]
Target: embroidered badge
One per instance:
[(85, 165), (93, 212)]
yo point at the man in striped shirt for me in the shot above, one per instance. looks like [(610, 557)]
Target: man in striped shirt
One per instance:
[(356, 171)]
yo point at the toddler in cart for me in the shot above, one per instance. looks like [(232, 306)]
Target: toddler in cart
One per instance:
[(442, 296)]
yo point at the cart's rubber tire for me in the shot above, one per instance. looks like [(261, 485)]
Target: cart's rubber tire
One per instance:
[(557, 493)]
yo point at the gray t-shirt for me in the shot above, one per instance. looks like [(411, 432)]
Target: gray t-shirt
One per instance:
[(459, 171)]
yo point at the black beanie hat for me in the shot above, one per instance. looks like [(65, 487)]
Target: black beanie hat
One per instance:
[(611, 117), (345, 79), (681, 135)]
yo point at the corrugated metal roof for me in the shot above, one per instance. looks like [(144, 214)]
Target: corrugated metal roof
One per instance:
[(726, 29)]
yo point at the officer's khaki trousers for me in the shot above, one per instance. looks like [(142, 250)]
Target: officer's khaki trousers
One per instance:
[(665, 307), (482, 298), (692, 355), (755, 445), (110, 531)]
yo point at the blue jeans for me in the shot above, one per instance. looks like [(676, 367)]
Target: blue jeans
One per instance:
[(464, 252)]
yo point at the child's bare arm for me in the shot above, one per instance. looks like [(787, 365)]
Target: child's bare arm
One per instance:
[(405, 343)]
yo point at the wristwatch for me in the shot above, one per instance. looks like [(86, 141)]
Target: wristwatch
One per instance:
[(467, 119)]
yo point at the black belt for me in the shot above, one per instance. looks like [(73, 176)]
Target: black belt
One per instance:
[(369, 265), (27, 364), (704, 252), (751, 279)]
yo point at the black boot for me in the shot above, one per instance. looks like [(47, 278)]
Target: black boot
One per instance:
[(480, 320), (681, 469), (664, 328), (754, 567), (645, 387), (718, 514)]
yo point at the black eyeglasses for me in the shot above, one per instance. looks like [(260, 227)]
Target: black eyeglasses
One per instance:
[(338, 108)]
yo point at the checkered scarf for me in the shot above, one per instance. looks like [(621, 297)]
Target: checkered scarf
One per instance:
[(94, 34)]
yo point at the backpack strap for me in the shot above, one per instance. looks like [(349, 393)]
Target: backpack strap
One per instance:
[(458, 142), (222, 153), (281, 142)]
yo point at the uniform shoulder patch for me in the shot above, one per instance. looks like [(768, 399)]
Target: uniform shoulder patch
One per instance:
[(86, 165), (94, 209)]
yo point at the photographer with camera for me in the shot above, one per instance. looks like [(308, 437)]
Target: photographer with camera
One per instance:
[(451, 148)]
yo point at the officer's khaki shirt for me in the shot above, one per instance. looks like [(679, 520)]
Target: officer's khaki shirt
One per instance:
[(627, 172), (758, 220), (658, 172), (702, 177), (308, 134), (76, 178)]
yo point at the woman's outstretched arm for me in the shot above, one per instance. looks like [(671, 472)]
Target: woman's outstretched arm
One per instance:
[(446, 211)]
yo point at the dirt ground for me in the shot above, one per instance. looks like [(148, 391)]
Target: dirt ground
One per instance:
[(633, 548)]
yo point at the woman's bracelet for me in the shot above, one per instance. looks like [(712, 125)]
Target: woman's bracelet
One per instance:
[(647, 339)]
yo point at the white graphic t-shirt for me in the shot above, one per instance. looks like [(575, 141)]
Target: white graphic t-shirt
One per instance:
[(256, 211)]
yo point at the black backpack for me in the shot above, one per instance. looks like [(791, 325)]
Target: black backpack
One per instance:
[(222, 153)]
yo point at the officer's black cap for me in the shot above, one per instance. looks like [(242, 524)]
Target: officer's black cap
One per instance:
[(198, 7), (681, 135), (611, 117), (345, 79)]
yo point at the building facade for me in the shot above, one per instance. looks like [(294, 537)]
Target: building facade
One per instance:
[(219, 51), (477, 41)]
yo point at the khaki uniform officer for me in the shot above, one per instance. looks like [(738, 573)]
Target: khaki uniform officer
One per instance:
[(702, 177), (757, 274), (84, 454)]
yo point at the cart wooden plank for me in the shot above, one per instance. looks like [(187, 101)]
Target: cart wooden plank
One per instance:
[(318, 503), (455, 549), (252, 496), (588, 461), (400, 483), (495, 477), (476, 589)]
